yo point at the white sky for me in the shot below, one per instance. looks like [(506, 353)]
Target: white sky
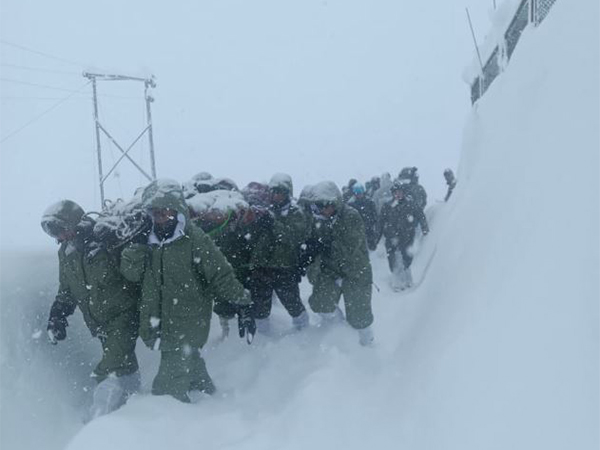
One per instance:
[(321, 89)]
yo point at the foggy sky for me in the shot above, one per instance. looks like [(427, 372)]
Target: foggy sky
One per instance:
[(318, 89)]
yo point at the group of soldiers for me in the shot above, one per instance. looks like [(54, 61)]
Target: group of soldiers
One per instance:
[(394, 209), (159, 265)]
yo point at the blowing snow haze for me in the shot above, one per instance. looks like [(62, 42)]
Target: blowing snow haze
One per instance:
[(318, 89)]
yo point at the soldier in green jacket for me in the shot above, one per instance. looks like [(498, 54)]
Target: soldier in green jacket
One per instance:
[(89, 278), (222, 221), (275, 262), (181, 271), (345, 268)]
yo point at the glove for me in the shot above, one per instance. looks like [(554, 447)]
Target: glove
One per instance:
[(57, 329), (246, 323)]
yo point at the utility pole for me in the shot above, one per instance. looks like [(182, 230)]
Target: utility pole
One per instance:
[(149, 83), (482, 76)]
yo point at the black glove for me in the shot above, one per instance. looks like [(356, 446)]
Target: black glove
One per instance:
[(246, 323), (57, 322), (57, 329)]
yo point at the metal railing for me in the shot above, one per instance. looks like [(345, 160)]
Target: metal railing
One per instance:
[(528, 12)]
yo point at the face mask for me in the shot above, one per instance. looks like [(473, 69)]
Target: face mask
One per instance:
[(165, 230)]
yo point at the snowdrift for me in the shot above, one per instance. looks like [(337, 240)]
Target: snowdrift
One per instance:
[(497, 348)]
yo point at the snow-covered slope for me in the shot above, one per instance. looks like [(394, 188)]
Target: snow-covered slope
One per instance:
[(497, 348)]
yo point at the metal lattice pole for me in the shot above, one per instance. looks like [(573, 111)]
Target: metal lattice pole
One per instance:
[(148, 83), (149, 100), (98, 144)]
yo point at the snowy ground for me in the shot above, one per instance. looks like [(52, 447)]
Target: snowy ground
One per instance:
[(266, 391), (498, 348)]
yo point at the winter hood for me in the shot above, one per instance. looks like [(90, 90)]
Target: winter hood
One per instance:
[(326, 191), (165, 193), (66, 214), (282, 180)]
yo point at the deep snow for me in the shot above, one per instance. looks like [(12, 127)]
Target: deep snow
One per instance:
[(498, 348)]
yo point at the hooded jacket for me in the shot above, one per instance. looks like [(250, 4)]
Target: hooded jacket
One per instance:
[(279, 245), (89, 275), (180, 277), (344, 251), (399, 220)]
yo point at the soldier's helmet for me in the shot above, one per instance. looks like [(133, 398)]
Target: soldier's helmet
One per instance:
[(282, 182), (398, 185), (409, 174), (61, 216)]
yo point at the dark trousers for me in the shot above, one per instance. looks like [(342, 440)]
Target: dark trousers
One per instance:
[(392, 248), (285, 284)]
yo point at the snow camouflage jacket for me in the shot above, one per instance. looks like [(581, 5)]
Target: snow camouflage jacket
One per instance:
[(399, 220), (91, 280), (344, 254), (180, 278), (279, 247)]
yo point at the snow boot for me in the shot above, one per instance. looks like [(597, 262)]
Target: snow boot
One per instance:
[(263, 326), (365, 336), (301, 321), (112, 393)]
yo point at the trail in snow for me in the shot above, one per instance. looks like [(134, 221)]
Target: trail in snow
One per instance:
[(256, 383)]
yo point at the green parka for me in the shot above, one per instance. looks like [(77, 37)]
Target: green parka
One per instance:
[(234, 241), (90, 279), (180, 278), (89, 276), (279, 247), (345, 253), (93, 283)]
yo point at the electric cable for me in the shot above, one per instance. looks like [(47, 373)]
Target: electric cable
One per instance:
[(39, 116)]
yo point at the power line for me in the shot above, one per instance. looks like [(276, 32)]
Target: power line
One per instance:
[(39, 69), (10, 97), (27, 83), (39, 116), (56, 88), (38, 52)]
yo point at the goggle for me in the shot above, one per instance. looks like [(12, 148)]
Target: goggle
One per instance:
[(278, 190), (322, 205), (54, 228)]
